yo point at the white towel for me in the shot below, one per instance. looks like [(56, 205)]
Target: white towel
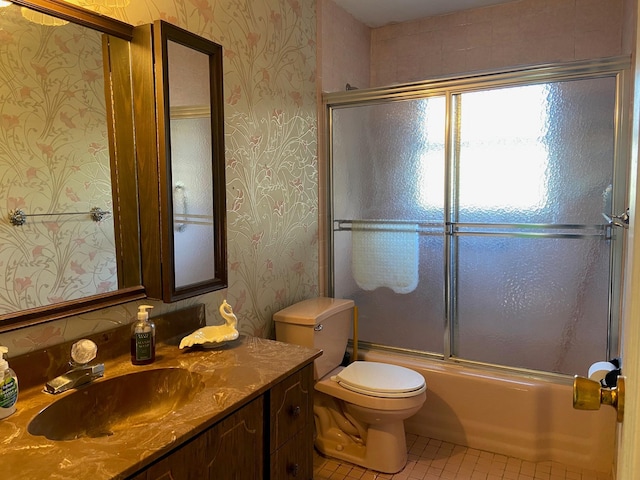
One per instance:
[(385, 255)]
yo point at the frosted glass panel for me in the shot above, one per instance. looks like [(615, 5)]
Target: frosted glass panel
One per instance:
[(388, 164), (538, 153), (533, 303), (414, 320), (388, 161)]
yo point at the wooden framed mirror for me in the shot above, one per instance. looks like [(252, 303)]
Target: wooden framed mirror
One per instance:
[(60, 122), (184, 246)]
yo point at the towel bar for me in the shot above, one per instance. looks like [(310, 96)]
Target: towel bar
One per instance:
[(19, 217)]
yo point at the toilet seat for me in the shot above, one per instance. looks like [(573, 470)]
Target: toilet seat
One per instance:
[(380, 380)]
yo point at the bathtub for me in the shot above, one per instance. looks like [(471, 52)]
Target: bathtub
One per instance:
[(532, 419)]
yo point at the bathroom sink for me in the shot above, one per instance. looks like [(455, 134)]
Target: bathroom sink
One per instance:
[(115, 404)]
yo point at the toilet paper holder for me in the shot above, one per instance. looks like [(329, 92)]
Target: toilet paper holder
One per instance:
[(590, 394)]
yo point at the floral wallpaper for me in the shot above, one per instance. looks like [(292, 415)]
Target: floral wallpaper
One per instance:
[(271, 157), (54, 158)]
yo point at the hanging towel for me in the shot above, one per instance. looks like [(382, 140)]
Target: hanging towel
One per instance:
[(385, 255)]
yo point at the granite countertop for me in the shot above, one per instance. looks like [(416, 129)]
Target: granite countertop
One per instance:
[(231, 376)]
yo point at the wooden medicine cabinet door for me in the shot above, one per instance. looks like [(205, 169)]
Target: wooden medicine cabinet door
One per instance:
[(178, 100)]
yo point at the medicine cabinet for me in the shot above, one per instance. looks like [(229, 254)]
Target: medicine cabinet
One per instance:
[(180, 150)]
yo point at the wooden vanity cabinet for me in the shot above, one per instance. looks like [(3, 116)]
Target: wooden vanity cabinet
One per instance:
[(269, 438), (231, 449), (291, 427)]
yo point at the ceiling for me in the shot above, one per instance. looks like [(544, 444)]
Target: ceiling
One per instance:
[(376, 13)]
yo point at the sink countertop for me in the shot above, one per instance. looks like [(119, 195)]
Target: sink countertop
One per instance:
[(233, 375)]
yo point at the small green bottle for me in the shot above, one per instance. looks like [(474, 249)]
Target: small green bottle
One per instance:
[(8, 386)]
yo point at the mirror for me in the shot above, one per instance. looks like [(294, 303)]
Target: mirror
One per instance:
[(188, 258), (62, 158)]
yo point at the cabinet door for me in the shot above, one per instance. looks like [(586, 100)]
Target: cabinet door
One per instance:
[(294, 460), (180, 159), (291, 406), (230, 450)]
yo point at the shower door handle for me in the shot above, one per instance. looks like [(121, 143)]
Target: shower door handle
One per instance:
[(621, 220), (589, 395)]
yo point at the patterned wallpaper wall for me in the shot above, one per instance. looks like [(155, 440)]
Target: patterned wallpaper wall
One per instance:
[(54, 157), (271, 150)]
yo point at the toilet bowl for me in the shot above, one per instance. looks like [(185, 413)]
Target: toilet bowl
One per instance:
[(362, 425), (359, 409)]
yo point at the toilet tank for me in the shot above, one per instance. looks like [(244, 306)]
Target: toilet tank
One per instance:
[(323, 323)]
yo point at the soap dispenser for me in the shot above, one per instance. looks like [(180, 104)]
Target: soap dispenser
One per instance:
[(8, 386), (143, 338)]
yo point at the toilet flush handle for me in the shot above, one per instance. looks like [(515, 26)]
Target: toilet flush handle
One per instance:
[(318, 328), (589, 395)]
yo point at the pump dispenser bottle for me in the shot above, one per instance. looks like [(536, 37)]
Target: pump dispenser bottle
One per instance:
[(8, 386), (143, 338)]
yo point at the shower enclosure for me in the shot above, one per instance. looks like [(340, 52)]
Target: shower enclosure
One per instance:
[(481, 219)]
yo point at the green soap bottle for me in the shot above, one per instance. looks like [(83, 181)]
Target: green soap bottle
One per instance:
[(8, 386), (143, 338)]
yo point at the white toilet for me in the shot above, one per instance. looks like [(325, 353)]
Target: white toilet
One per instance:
[(359, 409)]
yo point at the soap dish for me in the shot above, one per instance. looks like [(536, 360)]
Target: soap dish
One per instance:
[(214, 336), (210, 337), (211, 345)]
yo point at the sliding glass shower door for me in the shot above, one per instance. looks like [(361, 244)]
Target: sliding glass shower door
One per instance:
[(467, 220), (388, 166)]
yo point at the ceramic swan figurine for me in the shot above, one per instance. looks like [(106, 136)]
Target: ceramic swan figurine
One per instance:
[(214, 336)]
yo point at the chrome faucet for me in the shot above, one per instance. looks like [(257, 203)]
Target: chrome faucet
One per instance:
[(82, 352)]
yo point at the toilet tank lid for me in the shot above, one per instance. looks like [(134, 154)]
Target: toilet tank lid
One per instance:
[(312, 311)]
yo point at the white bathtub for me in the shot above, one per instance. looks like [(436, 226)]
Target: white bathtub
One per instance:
[(531, 419)]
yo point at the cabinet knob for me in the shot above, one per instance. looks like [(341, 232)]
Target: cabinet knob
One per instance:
[(293, 469), (295, 411)]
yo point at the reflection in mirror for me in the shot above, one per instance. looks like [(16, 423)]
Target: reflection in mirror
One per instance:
[(57, 150), (54, 149), (191, 165)]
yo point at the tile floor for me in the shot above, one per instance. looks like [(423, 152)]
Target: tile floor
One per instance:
[(431, 459)]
